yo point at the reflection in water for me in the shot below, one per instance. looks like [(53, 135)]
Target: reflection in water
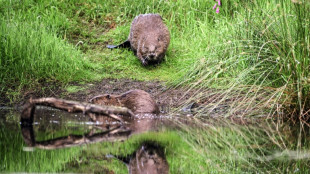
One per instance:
[(148, 157), (110, 131), (218, 146), (115, 134)]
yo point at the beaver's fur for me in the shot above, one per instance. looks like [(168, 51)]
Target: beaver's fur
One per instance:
[(149, 38), (138, 101)]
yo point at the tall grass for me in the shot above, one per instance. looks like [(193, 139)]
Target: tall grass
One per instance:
[(31, 52), (260, 46), (257, 55)]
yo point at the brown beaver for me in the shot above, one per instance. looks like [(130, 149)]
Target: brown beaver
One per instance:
[(149, 38), (149, 158), (138, 101)]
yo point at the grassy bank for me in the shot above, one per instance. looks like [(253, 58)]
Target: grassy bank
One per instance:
[(257, 56), (256, 46)]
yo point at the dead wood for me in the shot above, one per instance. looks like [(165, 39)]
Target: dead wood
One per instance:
[(73, 107)]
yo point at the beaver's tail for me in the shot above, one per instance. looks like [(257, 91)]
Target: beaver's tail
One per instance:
[(125, 44)]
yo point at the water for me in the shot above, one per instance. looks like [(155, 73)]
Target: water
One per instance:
[(54, 129), (58, 141)]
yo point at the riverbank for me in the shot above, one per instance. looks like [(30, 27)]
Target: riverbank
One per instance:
[(49, 44)]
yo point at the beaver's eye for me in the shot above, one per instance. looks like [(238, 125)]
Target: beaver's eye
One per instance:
[(108, 97)]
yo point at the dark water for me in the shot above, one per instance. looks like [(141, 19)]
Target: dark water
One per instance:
[(54, 129)]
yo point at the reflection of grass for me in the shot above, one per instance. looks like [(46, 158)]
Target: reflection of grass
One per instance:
[(231, 148), (181, 157), (220, 147), (14, 159)]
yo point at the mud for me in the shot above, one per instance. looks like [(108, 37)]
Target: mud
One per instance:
[(163, 95)]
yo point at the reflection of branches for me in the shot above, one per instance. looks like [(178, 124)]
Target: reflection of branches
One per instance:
[(117, 134), (148, 158), (121, 132)]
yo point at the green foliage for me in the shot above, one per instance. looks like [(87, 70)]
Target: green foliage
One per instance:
[(15, 157), (31, 52), (256, 45)]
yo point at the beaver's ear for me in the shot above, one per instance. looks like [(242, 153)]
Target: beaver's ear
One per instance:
[(108, 96)]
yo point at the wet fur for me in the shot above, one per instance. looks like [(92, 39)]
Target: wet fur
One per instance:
[(138, 101)]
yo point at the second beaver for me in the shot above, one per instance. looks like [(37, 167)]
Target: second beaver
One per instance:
[(149, 38), (138, 101)]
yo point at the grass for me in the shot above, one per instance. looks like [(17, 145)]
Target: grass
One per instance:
[(249, 45), (32, 53)]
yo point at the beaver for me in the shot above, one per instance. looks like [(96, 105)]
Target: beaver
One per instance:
[(138, 101), (149, 39), (149, 158)]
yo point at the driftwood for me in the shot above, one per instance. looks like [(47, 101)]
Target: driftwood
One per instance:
[(74, 107)]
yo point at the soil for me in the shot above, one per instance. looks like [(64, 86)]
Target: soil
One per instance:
[(164, 96)]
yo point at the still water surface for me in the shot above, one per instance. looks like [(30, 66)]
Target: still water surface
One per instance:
[(58, 141)]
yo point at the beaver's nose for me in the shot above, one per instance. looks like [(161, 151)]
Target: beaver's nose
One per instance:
[(152, 56)]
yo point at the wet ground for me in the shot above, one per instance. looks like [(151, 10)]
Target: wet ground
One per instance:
[(163, 95)]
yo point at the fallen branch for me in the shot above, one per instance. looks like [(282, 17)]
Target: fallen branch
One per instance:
[(73, 107)]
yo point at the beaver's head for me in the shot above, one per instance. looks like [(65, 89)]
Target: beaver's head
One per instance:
[(153, 49), (105, 99)]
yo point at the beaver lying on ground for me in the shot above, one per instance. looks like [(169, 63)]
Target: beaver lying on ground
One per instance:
[(149, 38), (138, 101)]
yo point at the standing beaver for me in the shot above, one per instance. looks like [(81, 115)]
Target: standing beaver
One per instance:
[(149, 38), (138, 101)]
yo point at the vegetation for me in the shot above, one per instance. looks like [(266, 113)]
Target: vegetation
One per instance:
[(252, 56), (260, 46), (260, 52)]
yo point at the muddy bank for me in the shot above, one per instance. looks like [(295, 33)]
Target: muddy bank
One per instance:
[(166, 97), (163, 95)]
